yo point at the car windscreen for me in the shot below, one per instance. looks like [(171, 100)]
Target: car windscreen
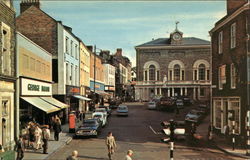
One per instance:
[(123, 108), (97, 116), (152, 103), (89, 123)]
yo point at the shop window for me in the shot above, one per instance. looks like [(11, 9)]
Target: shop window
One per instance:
[(234, 105)]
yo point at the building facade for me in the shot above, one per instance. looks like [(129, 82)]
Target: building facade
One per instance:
[(34, 84), (84, 76), (60, 41), (7, 75), (109, 79), (174, 66), (230, 68)]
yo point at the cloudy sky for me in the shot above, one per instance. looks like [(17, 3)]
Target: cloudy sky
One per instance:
[(125, 24)]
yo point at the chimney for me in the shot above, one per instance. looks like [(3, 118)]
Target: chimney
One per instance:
[(25, 4), (233, 5), (118, 52), (90, 48)]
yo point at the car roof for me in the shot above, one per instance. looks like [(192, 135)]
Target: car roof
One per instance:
[(98, 113), (89, 120), (122, 106)]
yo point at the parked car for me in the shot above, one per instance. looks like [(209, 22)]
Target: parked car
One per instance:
[(194, 116), (122, 110), (166, 103), (102, 110), (152, 105), (109, 111), (90, 127), (179, 103), (101, 116)]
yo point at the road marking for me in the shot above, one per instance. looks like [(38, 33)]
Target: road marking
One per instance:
[(157, 133)]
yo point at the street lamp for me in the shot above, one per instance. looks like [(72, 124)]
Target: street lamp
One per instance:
[(95, 71)]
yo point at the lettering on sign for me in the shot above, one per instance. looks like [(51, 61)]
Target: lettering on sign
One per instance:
[(33, 87)]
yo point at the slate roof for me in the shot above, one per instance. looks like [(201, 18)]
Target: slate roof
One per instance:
[(186, 41)]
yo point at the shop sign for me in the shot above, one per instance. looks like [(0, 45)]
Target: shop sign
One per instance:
[(72, 90), (33, 87)]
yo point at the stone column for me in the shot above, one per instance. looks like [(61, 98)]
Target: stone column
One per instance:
[(199, 88), (181, 91), (160, 90), (185, 91), (155, 91), (168, 92), (194, 93), (172, 92)]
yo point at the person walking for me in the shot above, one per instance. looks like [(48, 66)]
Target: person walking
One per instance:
[(45, 136), (111, 144), (19, 148), (38, 137), (73, 156), (57, 129), (129, 155)]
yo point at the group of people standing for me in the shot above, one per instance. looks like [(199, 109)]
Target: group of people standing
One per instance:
[(36, 137)]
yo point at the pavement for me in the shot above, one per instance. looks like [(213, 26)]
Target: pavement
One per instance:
[(64, 139)]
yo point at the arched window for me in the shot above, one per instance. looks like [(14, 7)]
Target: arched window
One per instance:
[(202, 72), (177, 69), (151, 72)]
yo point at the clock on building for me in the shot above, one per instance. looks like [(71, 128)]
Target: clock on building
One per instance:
[(176, 36)]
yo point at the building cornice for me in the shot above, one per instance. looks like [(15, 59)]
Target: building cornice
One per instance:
[(232, 16), (174, 47)]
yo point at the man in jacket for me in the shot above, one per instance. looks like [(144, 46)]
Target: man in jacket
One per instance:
[(111, 144), (129, 155), (19, 148), (45, 136), (57, 129)]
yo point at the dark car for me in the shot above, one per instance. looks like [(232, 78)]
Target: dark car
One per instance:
[(204, 108), (109, 111), (90, 127), (166, 103), (187, 101)]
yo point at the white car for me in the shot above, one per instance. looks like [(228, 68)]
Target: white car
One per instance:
[(152, 105), (101, 116), (179, 103), (102, 110), (122, 110)]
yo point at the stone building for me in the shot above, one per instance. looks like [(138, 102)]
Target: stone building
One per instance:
[(7, 75), (174, 66), (230, 68)]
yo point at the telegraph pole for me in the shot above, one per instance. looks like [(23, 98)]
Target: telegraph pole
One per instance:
[(94, 73)]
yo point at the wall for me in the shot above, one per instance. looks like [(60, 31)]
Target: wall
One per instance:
[(27, 51)]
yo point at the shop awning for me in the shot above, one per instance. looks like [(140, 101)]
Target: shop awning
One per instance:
[(55, 102), (82, 98), (41, 104), (102, 93)]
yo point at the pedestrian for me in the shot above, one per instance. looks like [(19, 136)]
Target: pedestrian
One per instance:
[(31, 134), (111, 144), (73, 156), (57, 129), (45, 136), (193, 129), (129, 155), (19, 148), (38, 137)]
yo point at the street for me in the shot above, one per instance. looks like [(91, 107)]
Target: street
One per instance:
[(134, 132)]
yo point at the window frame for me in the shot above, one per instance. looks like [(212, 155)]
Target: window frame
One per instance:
[(177, 72), (233, 36), (220, 42), (152, 72), (233, 76)]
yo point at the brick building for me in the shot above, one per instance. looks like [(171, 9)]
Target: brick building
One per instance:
[(7, 75), (60, 41), (173, 66), (230, 67)]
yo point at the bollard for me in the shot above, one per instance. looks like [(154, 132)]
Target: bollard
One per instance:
[(233, 138), (171, 150)]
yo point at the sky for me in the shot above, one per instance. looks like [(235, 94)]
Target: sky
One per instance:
[(125, 24)]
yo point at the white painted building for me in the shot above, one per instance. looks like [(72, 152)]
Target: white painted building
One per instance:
[(109, 77)]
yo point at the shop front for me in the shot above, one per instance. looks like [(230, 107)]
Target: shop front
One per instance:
[(36, 102)]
